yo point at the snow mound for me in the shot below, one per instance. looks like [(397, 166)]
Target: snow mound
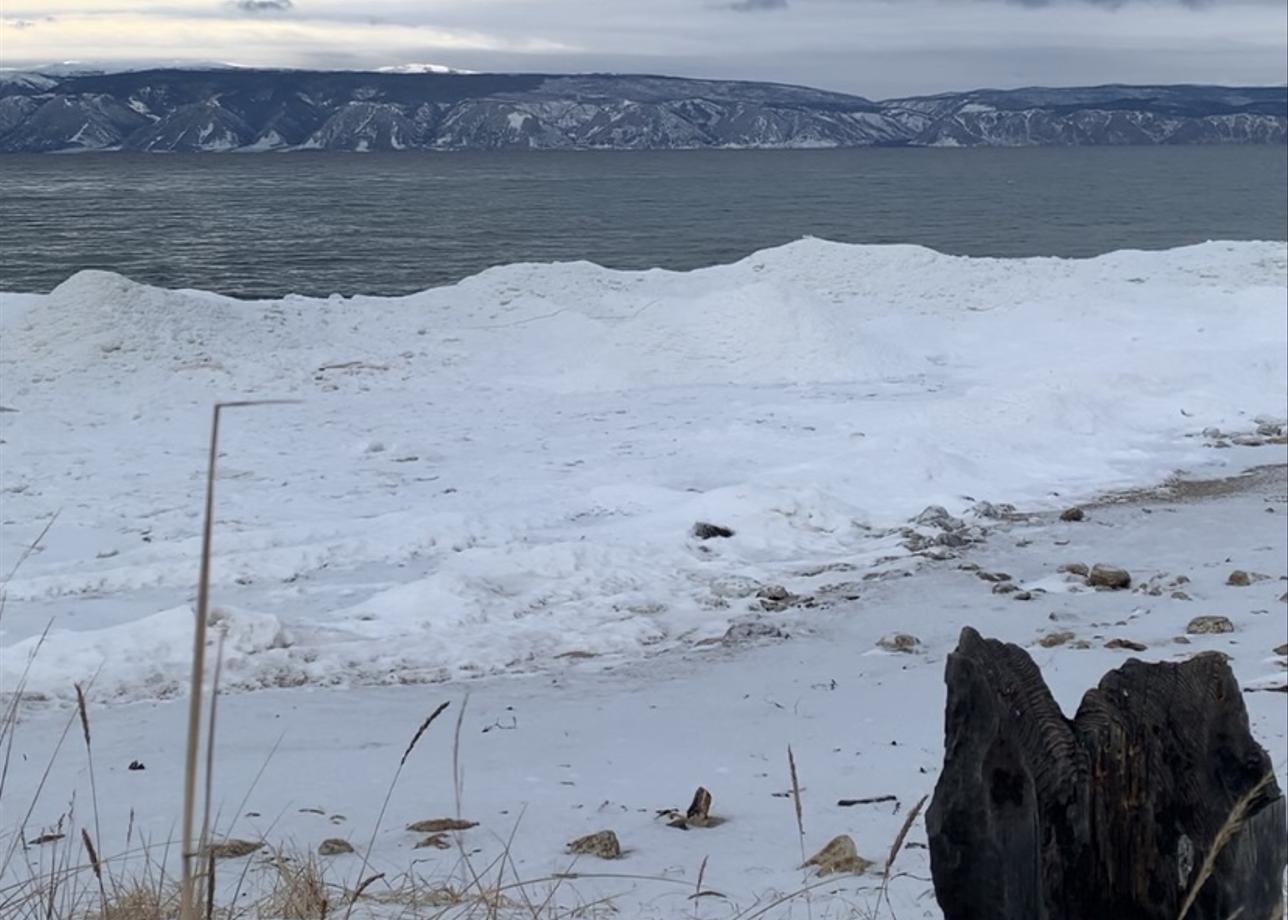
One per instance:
[(149, 657), (488, 476)]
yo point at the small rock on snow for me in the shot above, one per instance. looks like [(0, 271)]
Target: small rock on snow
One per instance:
[(706, 531), (899, 642), (1241, 579), (749, 630), (1209, 624), (840, 855), (334, 846), (938, 516), (1108, 576), (603, 844)]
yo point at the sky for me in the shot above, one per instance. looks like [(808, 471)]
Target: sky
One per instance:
[(875, 48)]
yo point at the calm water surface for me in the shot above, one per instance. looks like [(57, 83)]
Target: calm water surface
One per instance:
[(263, 225)]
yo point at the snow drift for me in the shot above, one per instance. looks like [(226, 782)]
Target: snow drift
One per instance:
[(487, 476)]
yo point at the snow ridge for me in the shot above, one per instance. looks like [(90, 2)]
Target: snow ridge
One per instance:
[(500, 474)]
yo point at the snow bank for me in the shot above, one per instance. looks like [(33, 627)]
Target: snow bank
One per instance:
[(485, 476)]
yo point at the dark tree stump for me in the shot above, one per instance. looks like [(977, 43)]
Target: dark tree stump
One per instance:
[(1108, 815)]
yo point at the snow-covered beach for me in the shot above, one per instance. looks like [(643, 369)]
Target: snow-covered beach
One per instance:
[(499, 480)]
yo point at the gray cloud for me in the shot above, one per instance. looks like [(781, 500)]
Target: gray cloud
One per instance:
[(874, 48), (761, 6), (1108, 4), (264, 6)]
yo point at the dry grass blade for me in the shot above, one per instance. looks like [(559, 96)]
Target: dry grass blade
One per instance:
[(97, 867), (458, 779), (24, 556), (458, 790), (364, 885), (756, 911), (796, 799), (903, 834), (204, 839), (17, 839), (83, 709), (384, 806), (84, 716), (415, 739), (895, 848), (94, 863), (210, 885), (187, 889), (696, 897), (1233, 824), (10, 718), (187, 894)]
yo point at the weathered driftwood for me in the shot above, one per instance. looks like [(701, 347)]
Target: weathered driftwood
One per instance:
[(1110, 814)]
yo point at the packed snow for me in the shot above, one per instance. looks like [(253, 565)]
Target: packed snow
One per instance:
[(503, 474), (547, 758)]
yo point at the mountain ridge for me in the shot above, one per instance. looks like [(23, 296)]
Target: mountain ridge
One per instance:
[(244, 109)]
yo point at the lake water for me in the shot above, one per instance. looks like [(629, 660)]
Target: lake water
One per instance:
[(316, 224)]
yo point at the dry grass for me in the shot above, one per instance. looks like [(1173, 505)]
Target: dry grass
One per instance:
[(300, 892), (191, 850), (1233, 824), (141, 900)]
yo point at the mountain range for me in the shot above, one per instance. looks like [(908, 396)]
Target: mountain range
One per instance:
[(237, 109)]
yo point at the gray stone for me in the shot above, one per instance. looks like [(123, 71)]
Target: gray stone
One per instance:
[(1108, 576), (1207, 625), (603, 844), (750, 630), (334, 846), (935, 516)]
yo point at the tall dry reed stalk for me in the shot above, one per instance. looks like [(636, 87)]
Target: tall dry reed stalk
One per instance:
[(187, 886)]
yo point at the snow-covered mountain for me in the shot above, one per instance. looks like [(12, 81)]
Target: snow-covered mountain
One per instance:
[(421, 68), (421, 108), (1099, 115)]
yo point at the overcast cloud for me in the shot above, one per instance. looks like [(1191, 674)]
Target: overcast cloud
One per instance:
[(877, 48)]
